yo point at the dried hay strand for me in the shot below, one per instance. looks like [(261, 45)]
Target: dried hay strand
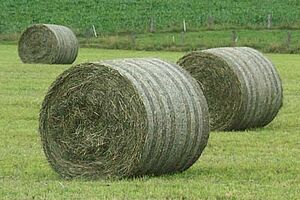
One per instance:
[(242, 87), (48, 44), (123, 118)]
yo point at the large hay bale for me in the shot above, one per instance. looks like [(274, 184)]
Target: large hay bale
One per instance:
[(48, 44), (242, 87), (123, 118)]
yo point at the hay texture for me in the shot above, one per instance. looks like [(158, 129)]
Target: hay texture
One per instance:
[(123, 118), (48, 44), (242, 87)]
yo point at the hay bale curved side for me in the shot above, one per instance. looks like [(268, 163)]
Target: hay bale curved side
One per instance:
[(242, 87), (206, 68), (48, 44), (123, 118)]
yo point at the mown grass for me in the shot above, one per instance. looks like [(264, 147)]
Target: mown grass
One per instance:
[(256, 164)]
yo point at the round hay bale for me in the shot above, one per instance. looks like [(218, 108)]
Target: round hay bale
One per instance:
[(48, 44), (242, 87), (123, 118)]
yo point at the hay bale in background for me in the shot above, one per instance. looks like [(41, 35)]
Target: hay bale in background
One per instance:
[(123, 118), (242, 87), (48, 44)]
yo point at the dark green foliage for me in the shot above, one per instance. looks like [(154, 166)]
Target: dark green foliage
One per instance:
[(242, 87), (123, 118), (48, 44), (133, 15)]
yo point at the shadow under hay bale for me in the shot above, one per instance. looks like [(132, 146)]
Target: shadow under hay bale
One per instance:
[(123, 118), (48, 44), (242, 87)]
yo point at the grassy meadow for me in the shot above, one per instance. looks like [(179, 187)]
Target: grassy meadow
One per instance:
[(256, 164)]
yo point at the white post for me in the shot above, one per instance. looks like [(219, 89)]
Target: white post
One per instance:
[(184, 26), (94, 30)]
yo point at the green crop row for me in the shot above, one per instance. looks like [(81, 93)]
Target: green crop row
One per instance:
[(134, 15)]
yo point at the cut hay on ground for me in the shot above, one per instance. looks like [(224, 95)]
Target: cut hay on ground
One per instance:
[(242, 87), (48, 44), (123, 118)]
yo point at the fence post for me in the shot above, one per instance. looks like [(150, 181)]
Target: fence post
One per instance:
[(184, 26), (234, 38), (210, 22), (152, 25), (289, 39), (182, 38), (94, 30), (269, 21), (132, 37)]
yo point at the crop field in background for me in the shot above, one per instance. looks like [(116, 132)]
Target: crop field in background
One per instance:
[(111, 16), (271, 41), (125, 24), (256, 164)]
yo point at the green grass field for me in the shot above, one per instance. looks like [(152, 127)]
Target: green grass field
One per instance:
[(257, 164)]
